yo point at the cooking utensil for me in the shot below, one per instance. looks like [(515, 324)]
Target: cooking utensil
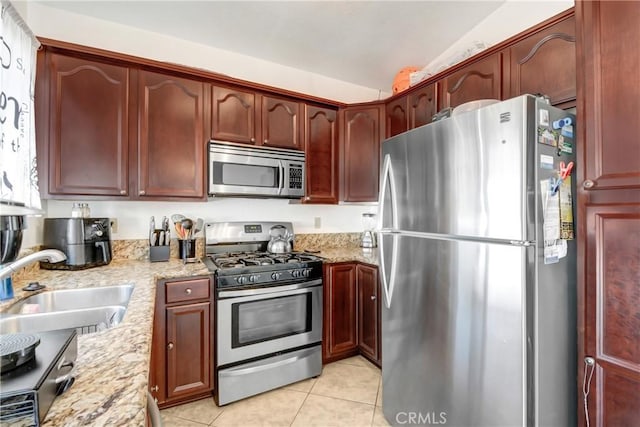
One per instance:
[(152, 231), (187, 225), (177, 218), (280, 240), (199, 226), (179, 230)]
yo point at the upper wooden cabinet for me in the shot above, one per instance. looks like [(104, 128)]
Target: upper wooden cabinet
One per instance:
[(83, 125), (545, 62), (321, 150), (362, 128), (235, 116), (281, 123), (422, 105), (109, 130), (397, 117), (171, 132), (479, 80), (249, 117)]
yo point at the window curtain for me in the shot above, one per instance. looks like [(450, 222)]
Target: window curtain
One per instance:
[(19, 180)]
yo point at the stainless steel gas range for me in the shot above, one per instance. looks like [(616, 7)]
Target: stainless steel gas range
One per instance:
[(268, 309)]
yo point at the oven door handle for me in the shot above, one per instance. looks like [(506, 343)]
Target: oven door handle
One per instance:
[(234, 372), (270, 290)]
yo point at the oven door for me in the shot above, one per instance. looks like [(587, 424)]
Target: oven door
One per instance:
[(259, 322)]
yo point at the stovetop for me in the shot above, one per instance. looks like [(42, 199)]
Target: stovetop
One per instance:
[(246, 269)]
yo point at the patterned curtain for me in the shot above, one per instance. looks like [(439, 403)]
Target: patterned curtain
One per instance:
[(19, 180)]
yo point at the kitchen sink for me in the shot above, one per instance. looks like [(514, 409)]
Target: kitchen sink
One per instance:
[(74, 299), (86, 320)]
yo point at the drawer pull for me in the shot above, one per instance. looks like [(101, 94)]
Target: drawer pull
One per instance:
[(188, 291)]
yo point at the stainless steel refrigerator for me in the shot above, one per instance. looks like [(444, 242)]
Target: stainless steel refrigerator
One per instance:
[(478, 269)]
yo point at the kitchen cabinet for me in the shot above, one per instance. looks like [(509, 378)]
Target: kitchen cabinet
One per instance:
[(182, 348), (249, 117), (481, 79), (608, 220), (397, 116), (368, 312), (281, 123), (545, 62), (118, 132), (339, 326), (321, 151), (235, 116), (351, 312), (171, 136), (83, 126), (362, 128), (422, 105)]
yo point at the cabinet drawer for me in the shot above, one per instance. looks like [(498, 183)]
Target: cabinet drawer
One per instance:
[(187, 290)]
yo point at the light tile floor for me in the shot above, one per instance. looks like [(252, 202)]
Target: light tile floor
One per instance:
[(347, 394)]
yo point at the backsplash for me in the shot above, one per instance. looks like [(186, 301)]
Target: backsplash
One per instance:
[(139, 249), (314, 242)]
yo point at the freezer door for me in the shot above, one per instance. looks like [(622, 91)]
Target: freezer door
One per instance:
[(454, 332), (464, 176)]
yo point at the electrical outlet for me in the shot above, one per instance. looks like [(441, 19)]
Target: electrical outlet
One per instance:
[(317, 223), (114, 225)]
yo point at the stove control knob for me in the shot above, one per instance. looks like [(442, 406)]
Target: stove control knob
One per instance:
[(275, 276), (296, 273), (306, 272), (241, 280), (254, 277)]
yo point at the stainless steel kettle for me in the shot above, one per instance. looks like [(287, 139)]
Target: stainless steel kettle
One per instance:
[(280, 240)]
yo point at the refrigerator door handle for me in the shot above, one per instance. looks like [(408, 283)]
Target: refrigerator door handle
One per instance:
[(387, 176), (388, 285)]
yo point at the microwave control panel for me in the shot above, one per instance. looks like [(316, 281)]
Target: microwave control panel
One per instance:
[(295, 176)]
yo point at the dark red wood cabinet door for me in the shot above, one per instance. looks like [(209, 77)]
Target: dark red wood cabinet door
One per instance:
[(235, 117), (281, 123), (397, 116), (321, 151), (610, 75), (368, 312), (612, 313), (422, 106), (172, 138), (545, 63), (188, 349), (360, 155), (340, 333), (479, 80), (88, 129)]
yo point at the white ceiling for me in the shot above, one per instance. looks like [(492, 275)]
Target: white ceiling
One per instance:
[(361, 42)]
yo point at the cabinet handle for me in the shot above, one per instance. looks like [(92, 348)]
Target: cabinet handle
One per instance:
[(266, 141), (588, 184), (123, 192), (252, 140), (170, 346), (373, 297), (188, 291), (154, 388), (142, 192)]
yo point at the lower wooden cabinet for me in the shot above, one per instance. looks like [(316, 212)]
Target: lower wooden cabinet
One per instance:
[(351, 312), (182, 347)]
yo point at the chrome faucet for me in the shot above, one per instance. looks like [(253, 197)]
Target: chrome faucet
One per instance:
[(51, 255)]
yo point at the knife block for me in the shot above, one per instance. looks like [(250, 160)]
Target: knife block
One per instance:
[(159, 253)]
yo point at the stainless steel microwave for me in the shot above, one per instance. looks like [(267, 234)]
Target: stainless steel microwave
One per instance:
[(244, 170)]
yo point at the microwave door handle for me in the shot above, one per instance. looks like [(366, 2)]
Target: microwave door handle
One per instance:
[(281, 181)]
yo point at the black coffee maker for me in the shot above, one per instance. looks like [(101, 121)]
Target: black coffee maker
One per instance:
[(85, 241)]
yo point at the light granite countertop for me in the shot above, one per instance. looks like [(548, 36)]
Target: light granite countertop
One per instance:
[(112, 368), (113, 365)]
